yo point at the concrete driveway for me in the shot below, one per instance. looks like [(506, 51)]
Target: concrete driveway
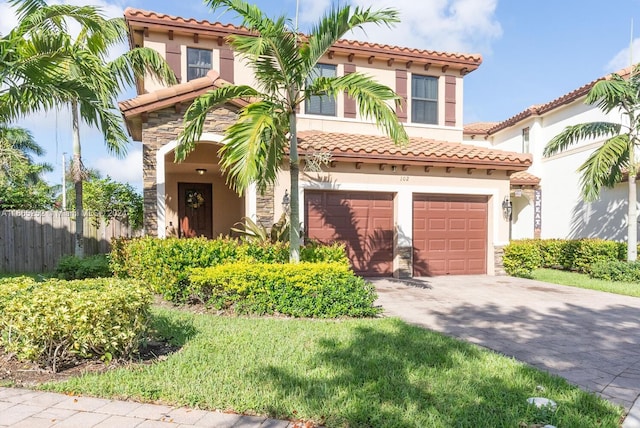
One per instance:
[(590, 338)]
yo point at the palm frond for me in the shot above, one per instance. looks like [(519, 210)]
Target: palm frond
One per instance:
[(605, 166), (371, 97), (611, 94), (574, 134), (339, 21), (139, 62), (254, 146), (196, 114)]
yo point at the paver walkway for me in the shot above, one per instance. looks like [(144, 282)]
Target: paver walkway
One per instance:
[(590, 338), (36, 409)]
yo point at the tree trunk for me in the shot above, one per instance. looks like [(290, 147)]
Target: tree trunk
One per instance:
[(77, 180), (294, 171), (632, 219)]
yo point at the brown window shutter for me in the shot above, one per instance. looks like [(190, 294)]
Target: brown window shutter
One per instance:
[(401, 90), (174, 58), (226, 65), (349, 103), (450, 101)]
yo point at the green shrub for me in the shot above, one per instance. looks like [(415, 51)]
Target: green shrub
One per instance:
[(56, 321), (163, 264), (324, 290), (551, 252), (72, 267), (616, 270), (521, 258)]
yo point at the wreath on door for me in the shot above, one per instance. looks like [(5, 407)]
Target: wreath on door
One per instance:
[(194, 199)]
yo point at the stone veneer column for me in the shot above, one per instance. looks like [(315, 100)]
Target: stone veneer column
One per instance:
[(161, 128), (265, 208), (498, 255)]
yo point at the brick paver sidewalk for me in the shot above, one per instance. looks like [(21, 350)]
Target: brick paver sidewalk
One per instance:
[(36, 409)]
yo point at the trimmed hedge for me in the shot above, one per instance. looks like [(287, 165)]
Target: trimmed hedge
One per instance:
[(616, 270), (324, 289), (72, 267), (164, 264), (56, 321), (523, 256)]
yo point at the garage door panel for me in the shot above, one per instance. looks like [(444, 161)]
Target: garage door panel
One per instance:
[(450, 234), (362, 221)]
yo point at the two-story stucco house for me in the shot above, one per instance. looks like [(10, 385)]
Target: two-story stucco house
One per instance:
[(433, 207), (547, 199)]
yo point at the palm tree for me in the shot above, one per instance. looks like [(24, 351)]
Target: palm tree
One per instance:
[(283, 62), (29, 63), (87, 81), (616, 157)]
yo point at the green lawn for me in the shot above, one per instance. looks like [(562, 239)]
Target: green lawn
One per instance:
[(584, 281), (346, 373)]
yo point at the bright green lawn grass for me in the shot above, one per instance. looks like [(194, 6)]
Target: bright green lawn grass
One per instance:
[(347, 373), (581, 280)]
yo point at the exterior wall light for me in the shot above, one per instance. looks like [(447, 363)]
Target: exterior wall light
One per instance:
[(507, 208), (201, 171), (286, 202)]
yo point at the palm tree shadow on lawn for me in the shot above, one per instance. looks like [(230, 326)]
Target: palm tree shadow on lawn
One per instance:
[(394, 377)]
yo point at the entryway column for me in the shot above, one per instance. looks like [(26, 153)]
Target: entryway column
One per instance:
[(403, 252)]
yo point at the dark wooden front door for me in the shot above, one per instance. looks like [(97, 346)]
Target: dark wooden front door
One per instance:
[(195, 210)]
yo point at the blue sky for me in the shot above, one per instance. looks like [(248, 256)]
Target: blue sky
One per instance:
[(533, 51)]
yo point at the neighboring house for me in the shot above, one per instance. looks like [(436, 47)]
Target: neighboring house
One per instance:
[(546, 199), (433, 207)]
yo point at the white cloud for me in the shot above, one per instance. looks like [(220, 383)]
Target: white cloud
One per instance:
[(441, 25), (623, 58), (127, 170)]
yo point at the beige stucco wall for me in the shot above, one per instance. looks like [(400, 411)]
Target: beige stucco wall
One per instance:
[(380, 70)]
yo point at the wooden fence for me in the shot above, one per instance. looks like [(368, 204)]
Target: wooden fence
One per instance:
[(34, 241)]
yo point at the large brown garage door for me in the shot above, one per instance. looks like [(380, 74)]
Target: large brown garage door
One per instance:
[(363, 221), (449, 235)]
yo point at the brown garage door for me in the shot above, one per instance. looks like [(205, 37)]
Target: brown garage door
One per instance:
[(363, 221), (449, 235)]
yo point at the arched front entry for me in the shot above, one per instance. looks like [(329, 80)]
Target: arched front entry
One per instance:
[(193, 196)]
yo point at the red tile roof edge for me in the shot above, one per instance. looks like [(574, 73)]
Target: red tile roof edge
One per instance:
[(470, 61), (418, 148), (524, 178), (537, 110), (181, 92)]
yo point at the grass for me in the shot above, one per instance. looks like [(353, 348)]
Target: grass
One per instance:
[(580, 280), (346, 373)]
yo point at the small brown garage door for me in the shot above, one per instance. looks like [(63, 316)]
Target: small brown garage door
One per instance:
[(363, 221), (449, 235)]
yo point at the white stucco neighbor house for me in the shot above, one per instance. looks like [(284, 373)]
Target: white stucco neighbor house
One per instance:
[(431, 208), (546, 199)]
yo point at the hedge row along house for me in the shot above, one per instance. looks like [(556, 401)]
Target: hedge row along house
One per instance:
[(434, 207), (546, 200)]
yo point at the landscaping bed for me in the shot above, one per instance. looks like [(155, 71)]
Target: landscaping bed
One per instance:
[(341, 373)]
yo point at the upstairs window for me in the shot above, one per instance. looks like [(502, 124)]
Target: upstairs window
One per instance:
[(424, 99), (525, 141), (198, 63), (321, 104)]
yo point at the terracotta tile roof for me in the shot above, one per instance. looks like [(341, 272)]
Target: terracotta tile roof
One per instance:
[(477, 128), (460, 61), (420, 151), (174, 94), (524, 178), (537, 110)]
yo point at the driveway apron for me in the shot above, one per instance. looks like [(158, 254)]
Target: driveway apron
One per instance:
[(590, 338)]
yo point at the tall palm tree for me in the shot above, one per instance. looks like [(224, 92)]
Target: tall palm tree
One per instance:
[(29, 63), (284, 64), (87, 81), (616, 157)]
